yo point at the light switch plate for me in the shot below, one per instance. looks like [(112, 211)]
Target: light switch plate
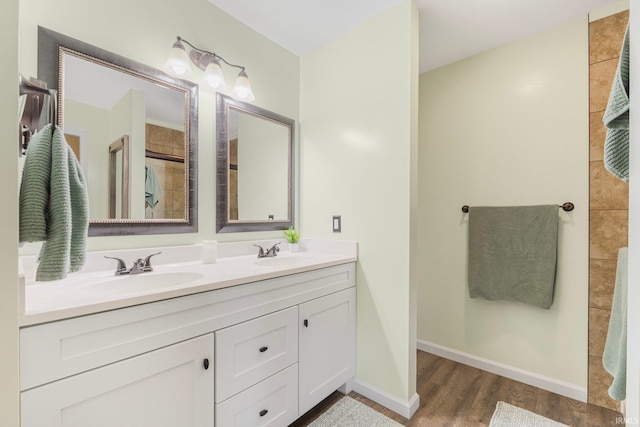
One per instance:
[(337, 224)]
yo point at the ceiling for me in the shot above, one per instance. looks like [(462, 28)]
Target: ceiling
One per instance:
[(450, 30)]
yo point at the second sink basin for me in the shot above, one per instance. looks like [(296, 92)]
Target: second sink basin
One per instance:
[(142, 282)]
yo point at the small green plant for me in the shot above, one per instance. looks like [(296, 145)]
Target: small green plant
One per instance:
[(292, 235)]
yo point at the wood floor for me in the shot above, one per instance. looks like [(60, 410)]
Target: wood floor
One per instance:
[(456, 395)]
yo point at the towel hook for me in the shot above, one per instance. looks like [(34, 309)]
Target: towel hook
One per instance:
[(34, 90)]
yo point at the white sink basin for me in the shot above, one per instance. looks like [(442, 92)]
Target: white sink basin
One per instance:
[(142, 282), (277, 261)]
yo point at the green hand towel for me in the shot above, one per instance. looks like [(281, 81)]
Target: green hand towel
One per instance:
[(614, 357), (64, 196), (616, 118), (512, 253)]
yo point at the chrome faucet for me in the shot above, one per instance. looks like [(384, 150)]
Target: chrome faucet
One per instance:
[(139, 266), (271, 252)]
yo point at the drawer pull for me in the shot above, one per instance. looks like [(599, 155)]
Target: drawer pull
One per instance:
[(306, 323), (263, 412), (205, 363), (263, 349)]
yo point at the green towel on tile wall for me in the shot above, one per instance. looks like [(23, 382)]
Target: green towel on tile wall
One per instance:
[(152, 188), (616, 118), (614, 357), (54, 205), (512, 253)]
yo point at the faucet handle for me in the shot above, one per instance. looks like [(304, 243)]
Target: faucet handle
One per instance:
[(122, 266), (147, 261), (260, 251)]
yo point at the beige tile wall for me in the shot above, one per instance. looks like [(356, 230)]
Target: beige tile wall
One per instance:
[(608, 199), (170, 174)]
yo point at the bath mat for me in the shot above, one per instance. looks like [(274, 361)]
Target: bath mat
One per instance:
[(348, 412), (507, 415)]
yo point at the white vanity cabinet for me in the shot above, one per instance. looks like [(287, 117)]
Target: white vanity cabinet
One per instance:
[(171, 386), (145, 365)]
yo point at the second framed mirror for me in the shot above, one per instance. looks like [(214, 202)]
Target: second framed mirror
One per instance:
[(255, 168)]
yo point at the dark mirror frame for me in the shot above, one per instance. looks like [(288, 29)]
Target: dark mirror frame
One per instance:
[(51, 46), (223, 224)]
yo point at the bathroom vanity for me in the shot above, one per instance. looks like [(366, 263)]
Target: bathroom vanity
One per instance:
[(257, 347)]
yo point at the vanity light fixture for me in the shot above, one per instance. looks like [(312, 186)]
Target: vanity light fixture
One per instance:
[(177, 65)]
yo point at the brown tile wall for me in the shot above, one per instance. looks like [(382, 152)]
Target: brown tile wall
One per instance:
[(608, 202), (170, 174)]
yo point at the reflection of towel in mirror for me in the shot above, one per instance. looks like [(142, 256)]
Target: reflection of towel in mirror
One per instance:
[(54, 205), (614, 357), (616, 118), (512, 253), (152, 189)]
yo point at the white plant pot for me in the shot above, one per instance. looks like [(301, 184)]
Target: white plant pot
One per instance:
[(294, 247)]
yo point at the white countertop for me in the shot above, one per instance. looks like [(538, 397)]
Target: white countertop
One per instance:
[(94, 289)]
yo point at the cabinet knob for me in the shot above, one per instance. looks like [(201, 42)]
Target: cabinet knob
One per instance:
[(263, 412), (205, 363), (263, 349), (306, 323)]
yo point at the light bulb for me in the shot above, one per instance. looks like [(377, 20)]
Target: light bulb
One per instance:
[(178, 62), (213, 76), (242, 89), (178, 70)]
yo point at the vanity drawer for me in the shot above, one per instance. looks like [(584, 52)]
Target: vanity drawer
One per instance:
[(249, 352), (272, 402)]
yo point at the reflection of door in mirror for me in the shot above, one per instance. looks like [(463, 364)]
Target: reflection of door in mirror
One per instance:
[(119, 178), (74, 143), (165, 185)]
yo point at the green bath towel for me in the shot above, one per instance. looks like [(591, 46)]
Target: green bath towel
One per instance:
[(616, 118), (34, 188), (512, 253), (54, 205), (614, 357)]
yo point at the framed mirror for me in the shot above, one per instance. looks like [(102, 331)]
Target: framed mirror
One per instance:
[(104, 97), (255, 168)]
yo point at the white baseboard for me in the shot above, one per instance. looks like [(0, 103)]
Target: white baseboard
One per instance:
[(381, 397), (546, 383)]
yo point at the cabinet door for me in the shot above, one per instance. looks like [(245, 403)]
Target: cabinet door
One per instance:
[(327, 342), (172, 386)]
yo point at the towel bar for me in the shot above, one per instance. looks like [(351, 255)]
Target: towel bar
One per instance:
[(567, 207)]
